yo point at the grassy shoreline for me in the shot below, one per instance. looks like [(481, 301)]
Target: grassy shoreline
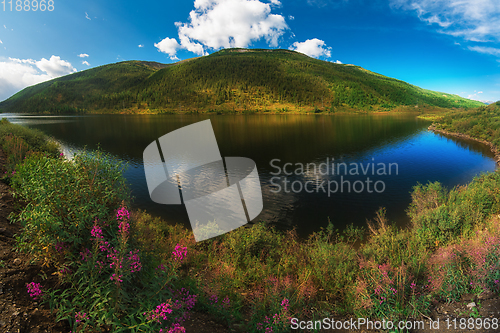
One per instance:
[(275, 110), (252, 278), (481, 124)]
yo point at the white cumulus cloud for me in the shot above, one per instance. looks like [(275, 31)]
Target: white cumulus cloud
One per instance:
[(85, 63), (168, 46), (55, 66), (83, 55), (485, 49), (16, 74), (140, 45), (312, 47), (473, 20), (215, 24)]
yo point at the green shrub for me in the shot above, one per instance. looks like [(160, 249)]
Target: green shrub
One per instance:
[(35, 140), (440, 217), (65, 198), (76, 219), (335, 268)]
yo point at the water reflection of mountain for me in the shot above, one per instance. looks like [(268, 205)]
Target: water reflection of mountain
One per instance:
[(422, 156)]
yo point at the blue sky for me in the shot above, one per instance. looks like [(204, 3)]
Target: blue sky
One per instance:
[(451, 46)]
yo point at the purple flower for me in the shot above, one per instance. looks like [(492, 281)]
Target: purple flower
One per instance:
[(176, 329), (114, 260), (65, 270), (35, 290), (86, 254), (96, 232), (179, 253), (60, 246), (122, 214), (116, 278), (225, 302), (213, 299), (99, 265), (124, 227), (80, 316), (285, 303), (135, 260), (160, 312)]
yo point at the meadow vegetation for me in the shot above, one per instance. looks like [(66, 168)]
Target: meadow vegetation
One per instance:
[(128, 271), (480, 123)]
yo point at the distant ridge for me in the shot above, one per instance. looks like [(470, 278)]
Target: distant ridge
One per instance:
[(231, 80)]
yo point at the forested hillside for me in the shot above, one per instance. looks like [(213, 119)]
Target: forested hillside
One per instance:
[(232, 80)]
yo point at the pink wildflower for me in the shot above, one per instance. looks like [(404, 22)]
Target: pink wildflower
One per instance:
[(35, 290), (96, 232), (122, 214), (179, 253), (80, 316)]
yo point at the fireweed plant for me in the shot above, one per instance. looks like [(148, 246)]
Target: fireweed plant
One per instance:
[(76, 219), (278, 322)]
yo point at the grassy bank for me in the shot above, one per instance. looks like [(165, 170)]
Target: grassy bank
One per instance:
[(128, 271), (481, 123)]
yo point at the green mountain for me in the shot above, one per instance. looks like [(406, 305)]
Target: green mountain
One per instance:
[(229, 80)]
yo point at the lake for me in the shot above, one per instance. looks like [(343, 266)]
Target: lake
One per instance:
[(298, 158)]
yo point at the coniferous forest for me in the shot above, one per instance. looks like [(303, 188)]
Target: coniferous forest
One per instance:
[(231, 80)]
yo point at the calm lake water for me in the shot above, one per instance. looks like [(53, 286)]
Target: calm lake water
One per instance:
[(399, 143)]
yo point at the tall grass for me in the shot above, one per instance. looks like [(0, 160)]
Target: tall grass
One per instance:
[(34, 139), (129, 271), (18, 141)]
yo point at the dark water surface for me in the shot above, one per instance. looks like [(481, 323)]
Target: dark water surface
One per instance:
[(400, 143)]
